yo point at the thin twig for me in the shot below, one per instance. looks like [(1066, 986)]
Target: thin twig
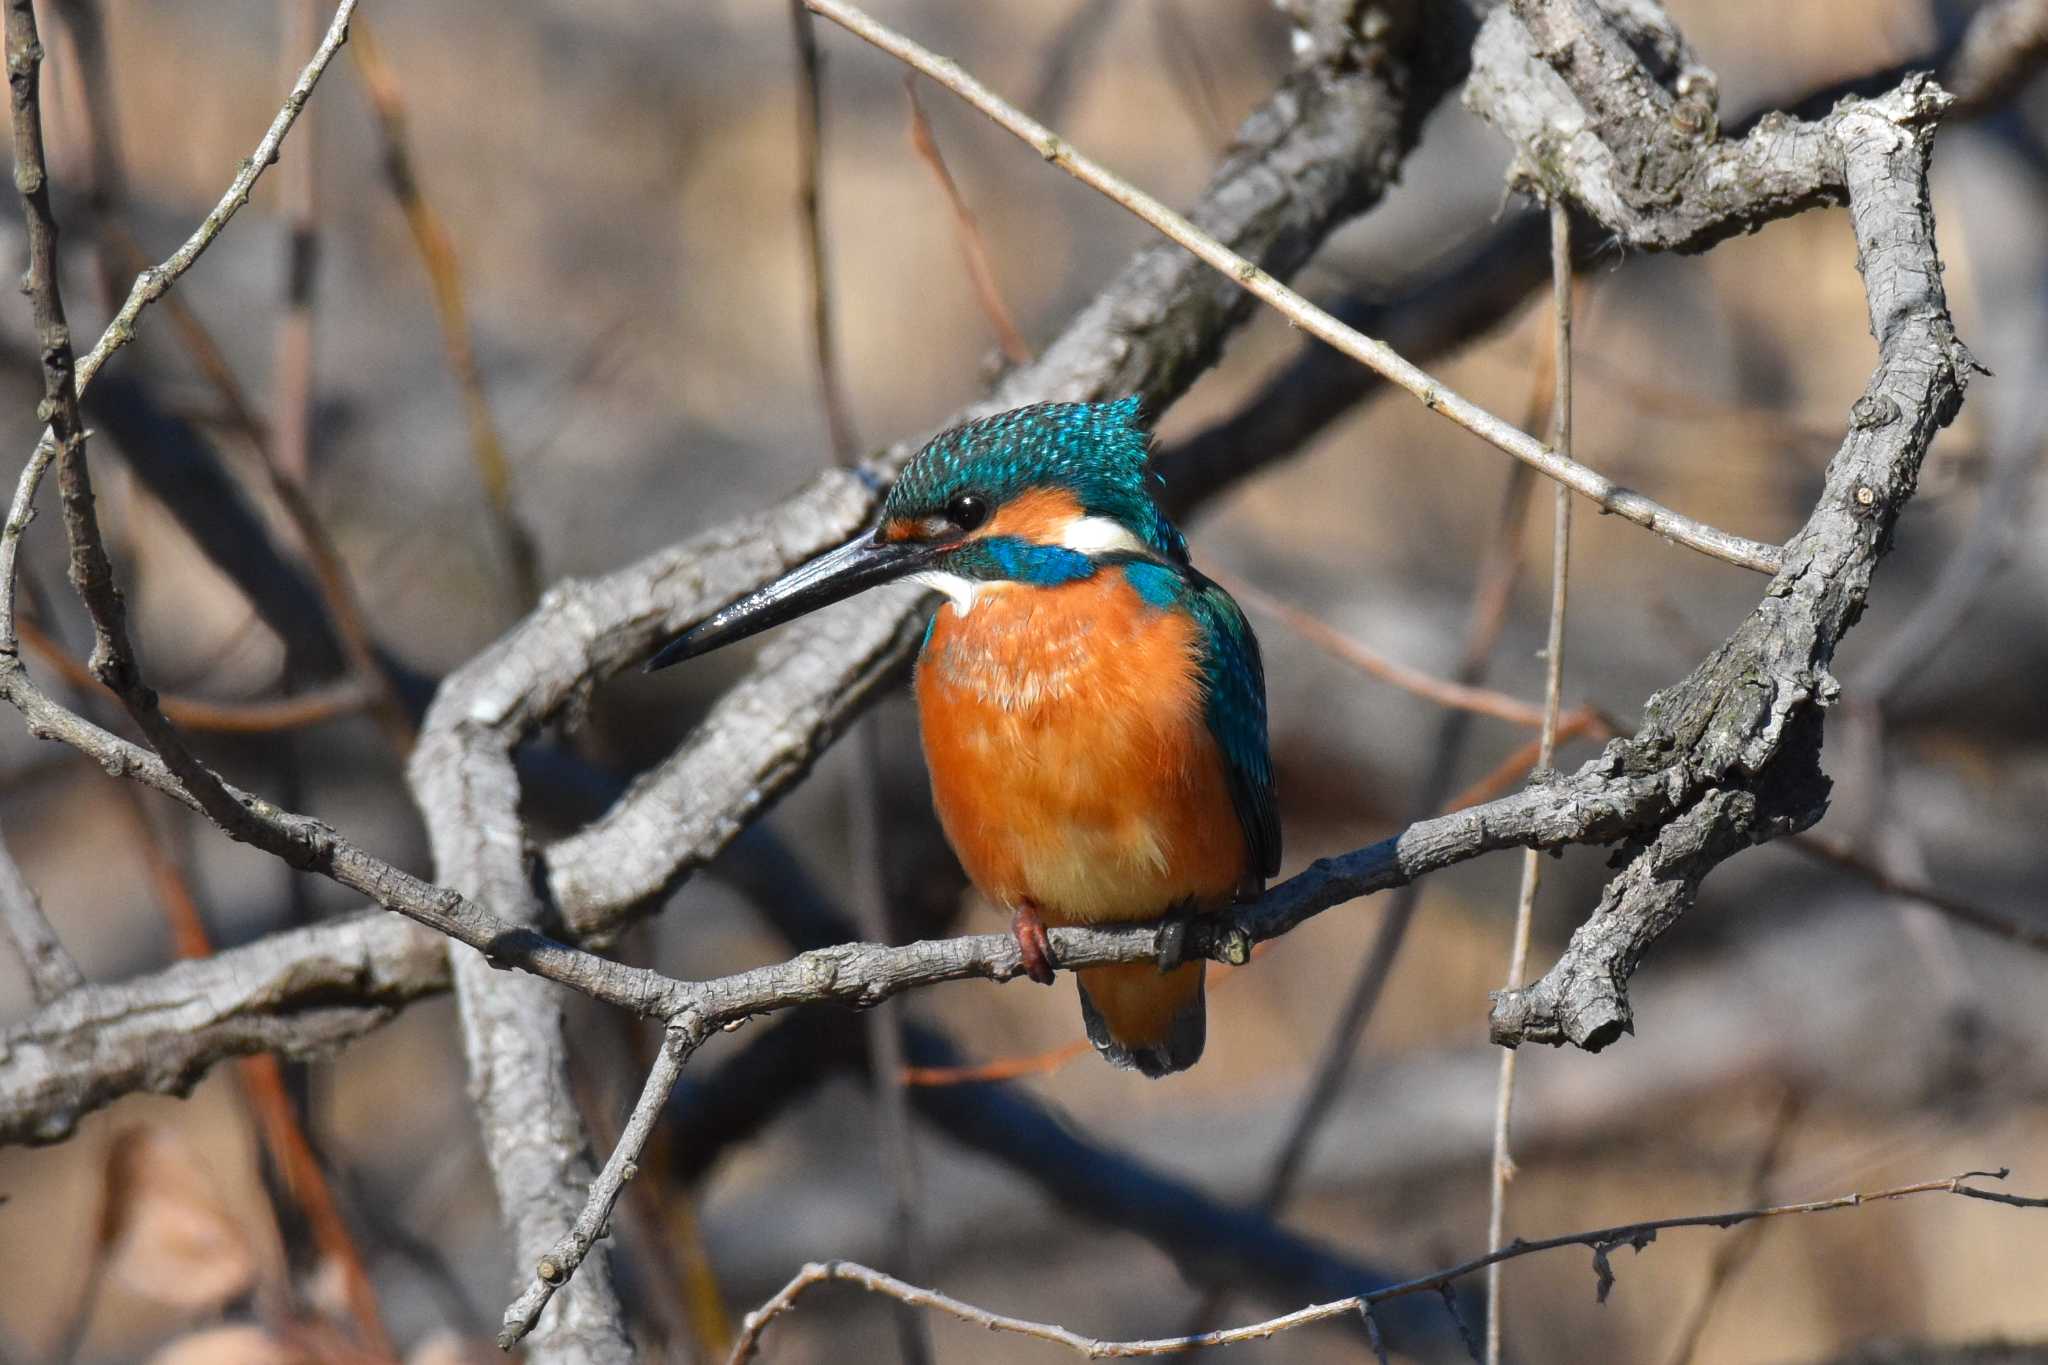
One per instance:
[(669, 1213), (295, 712), (1730, 1255), (1839, 855), (153, 283), (1611, 497), (810, 170), (292, 408), (444, 274), (269, 1101), (1502, 1168), (868, 839), (1486, 616), (594, 1221), (1078, 38), (51, 969), (1195, 87), (1603, 1242), (330, 571), (1514, 770), (966, 231), (1445, 692)]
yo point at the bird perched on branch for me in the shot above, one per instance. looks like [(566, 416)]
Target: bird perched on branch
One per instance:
[(1093, 708)]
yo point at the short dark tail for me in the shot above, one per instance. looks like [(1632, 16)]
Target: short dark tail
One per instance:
[(1144, 1019)]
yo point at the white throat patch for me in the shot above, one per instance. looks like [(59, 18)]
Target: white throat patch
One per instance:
[(963, 592)]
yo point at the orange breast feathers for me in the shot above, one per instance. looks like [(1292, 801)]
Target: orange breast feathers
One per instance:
[(1070, 761)]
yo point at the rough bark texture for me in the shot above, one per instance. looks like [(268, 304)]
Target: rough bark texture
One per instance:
[(1738, 740)]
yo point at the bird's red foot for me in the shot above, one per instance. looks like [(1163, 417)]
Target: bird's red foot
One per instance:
[(1029, 931)]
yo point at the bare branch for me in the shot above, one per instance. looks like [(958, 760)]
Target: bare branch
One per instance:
[(1839, 855), (1604, 1242), (302, 993), (1445, 692), (594, 1222), (1324, 146), (2005, 44), (810, 175), (973, 246), (1610, 496), (52, 972), (1747, 721)]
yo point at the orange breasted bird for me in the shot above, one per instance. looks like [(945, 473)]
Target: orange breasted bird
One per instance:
[(1093, 708)]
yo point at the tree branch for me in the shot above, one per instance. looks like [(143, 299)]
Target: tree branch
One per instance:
[(1604, 1242), (1324, 146), (1608, 495), (51, 969), (1741, 736)]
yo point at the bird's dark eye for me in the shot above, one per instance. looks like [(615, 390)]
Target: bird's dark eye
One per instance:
[(967, 511)]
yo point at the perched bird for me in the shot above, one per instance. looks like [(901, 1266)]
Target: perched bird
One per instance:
[(1093, 708)]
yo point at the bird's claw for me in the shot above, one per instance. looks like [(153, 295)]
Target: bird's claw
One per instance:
[(1032, 944), (1170, 943)]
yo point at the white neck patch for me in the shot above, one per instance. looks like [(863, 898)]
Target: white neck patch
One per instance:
[(962, 592), (1101, 535)]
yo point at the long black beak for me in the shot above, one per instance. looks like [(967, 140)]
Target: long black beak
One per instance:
[(832, 577)]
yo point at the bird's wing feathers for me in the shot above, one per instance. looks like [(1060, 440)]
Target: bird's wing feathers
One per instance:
[(1236, 681)]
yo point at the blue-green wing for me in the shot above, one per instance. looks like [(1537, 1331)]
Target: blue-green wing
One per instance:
[(1236, 679)]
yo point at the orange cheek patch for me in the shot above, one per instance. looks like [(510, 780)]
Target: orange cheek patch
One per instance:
[(899, 528), (1040, 515)]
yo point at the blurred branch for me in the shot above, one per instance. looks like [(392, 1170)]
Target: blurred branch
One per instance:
[(51, 970), (331, 578), (2004, 47), (1002, 1069), (1604, 1242), (1189, 76), (967, 231), (1076, 40), (1734, 1252), (444, 275), (1610, 496), (292, 410), (1211, 1243), (268, 1099), (1521, 761), (1445, 692), (1985, 547), (1502, 1168), (1839, 855), (867, 842), (810, 174), (194, 713)]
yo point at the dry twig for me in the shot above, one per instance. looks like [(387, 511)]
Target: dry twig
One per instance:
[(51, 969), (967, 231), (810, 175), (1610, 496), (1604, 1242), (444, 274), (1502, 1168)]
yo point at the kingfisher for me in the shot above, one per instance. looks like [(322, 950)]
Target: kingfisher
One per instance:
[(1093, 709)]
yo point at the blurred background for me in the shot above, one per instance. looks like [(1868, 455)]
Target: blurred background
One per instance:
[(618, 183)]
